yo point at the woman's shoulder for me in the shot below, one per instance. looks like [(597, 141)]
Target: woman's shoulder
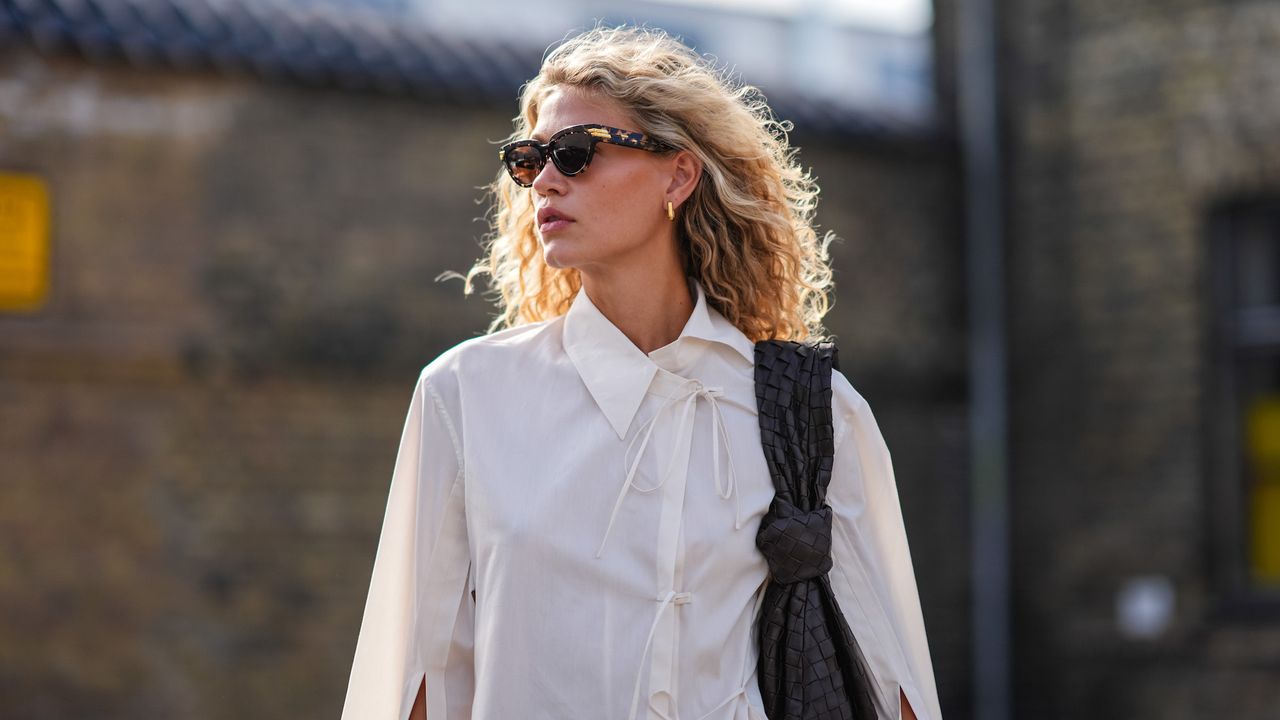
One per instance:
[(844, 396), (848, 405), (495, 354), (853, 416)]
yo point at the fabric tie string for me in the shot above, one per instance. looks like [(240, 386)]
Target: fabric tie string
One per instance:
[(687, 403), (739, 694), (672, 598)]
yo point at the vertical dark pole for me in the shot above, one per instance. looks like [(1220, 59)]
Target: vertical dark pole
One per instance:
[(979, 132)]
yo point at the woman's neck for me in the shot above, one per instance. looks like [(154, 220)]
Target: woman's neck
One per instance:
[(650, 308)]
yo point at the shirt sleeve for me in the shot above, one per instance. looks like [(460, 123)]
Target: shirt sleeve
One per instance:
[(419, 615), (872, 575)]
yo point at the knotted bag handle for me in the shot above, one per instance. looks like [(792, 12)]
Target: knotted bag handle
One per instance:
[(810, 666)]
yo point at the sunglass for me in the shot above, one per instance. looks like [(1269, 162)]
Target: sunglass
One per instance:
[(571, 149)]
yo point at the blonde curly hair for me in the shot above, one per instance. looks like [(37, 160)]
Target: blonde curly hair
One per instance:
[(746, 233)]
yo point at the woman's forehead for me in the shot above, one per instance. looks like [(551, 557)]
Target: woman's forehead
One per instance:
[(563, 107)]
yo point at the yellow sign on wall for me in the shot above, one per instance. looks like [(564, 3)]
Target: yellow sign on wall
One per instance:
[(1264, 461), (24, 242)]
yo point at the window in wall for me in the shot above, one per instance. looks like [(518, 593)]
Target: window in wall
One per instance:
[(1245, 432)]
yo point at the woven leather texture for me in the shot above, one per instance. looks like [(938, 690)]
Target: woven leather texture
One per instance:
[(810, 666)]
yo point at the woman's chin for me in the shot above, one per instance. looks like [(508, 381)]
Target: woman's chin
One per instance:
[(557, 256)]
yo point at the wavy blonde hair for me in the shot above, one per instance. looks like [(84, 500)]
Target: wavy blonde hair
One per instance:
[(746, 233)]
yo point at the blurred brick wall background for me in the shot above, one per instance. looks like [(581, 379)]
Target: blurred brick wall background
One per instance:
[(1127, 122), (199, 427)]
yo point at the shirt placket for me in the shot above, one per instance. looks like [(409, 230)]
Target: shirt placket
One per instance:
[(663, 670)]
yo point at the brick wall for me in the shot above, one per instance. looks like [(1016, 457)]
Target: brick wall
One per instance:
[(1125, 123)]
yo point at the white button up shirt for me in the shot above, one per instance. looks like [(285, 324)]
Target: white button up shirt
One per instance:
[(570, 533)]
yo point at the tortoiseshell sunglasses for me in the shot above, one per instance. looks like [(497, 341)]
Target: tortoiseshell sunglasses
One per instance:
[(571, 149)]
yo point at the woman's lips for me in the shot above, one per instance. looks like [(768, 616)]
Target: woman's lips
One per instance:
[(550, 220), (553, 225)]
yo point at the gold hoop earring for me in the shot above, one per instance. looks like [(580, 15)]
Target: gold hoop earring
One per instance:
[(671, 212)]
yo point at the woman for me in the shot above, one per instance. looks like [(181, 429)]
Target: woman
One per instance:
[(570, 531)]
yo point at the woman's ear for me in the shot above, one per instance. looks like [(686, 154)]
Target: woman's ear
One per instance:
[(685, 172)]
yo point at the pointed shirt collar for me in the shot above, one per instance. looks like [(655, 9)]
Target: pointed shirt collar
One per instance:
[(615, 371)]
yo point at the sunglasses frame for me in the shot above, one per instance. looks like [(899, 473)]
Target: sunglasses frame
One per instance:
[(597, 134)]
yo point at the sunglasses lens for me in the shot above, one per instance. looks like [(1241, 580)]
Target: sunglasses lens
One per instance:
[(524, 163), (572, 153)]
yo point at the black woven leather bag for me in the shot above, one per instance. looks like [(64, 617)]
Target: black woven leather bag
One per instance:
[(810, 666)]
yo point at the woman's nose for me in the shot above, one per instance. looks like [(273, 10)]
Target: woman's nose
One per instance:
[(549, 179)]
